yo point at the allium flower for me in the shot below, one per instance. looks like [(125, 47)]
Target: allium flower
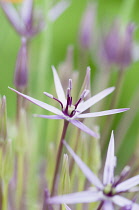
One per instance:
[(28, 22), (107, 191), (24, 21), (69, 111)]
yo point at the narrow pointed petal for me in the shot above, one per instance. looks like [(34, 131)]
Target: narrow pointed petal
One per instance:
[(66, 207), (102, 113), (58, 9), (84, 128), (26, 11), (12, 15), (58, 87), (54, 117), (121, 201), (87, 172), (39, 103), (108, 175), (80, 197), (108, 205), (129, 183), (93, 100)]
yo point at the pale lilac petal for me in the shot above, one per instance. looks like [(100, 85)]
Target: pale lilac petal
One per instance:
[(58, 9), (12, 15), (54, 117), (39, 103), (79, 197), (66, 207), (108, 205), (129, 183), (93, 100), (121, 201), (26, 11), (58, 87), (108, 175), (84, 128), (102, 113), (88, 173)]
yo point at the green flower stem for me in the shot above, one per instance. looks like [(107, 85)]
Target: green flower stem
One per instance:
[(20, 173), (114, 102), (58, 159), (5, 196)]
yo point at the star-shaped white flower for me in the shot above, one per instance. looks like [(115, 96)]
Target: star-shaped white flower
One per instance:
[(107, 191), (72, 112)]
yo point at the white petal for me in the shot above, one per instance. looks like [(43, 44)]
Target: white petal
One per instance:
[(129, 183), (87, 172), (12, 15), (79, 197), (108, 175), (84, 128), (40, 103), (58, 9), (58, 87), (102, 113), (93, 100), (66, 207), (53, 117), (26, 10), (121, 201), (108, 205)]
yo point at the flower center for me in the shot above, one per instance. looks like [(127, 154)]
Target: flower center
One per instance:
[(109, 190)]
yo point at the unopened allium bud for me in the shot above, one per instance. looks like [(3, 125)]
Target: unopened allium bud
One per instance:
[(21, 70), (3, 119), (87, 26), (117, 46)]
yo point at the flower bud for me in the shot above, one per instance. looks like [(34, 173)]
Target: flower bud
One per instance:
[(87, 25), (21, 70)]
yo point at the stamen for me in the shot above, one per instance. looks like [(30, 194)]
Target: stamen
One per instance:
[(51, 96), (48, 94), (122, 176), (83, 95)]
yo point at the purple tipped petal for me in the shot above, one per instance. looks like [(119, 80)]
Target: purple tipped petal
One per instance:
[(102, 113), (108, 205), (84, 128), (12, 16), (39, 103), (80, 197), (121, 201), (58, 87), (93, 100), (108, 175), (54, 117), (88, 173), (129, 183)]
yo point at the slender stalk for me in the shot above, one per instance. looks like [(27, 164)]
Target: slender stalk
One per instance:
[(5, 197), (100, 206), (114, 101), (58, 159)]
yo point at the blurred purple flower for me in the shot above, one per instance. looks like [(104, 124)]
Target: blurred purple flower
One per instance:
[(24, 21), (117, 45), (21, 70), (69, 111), (108, 191), (87, 26)]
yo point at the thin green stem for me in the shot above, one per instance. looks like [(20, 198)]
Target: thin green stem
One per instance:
[(58, 159)]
